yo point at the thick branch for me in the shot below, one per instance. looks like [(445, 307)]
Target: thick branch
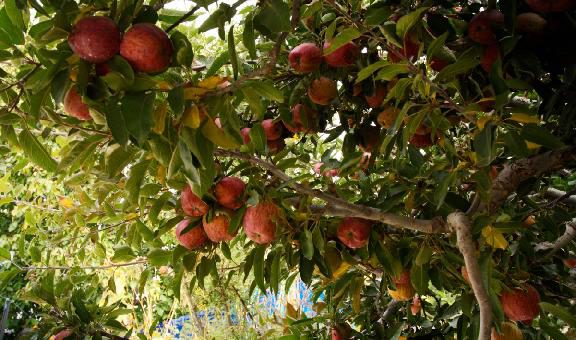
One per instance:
[(460, 223), (340, 206), (561, 241), (391, 309), (183, 18), (515, 173)]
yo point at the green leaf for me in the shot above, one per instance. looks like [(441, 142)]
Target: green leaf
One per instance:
[(370, 69), (123, 254), (157, 207), (236, 220), (306, 244), (467, 61), (217, 135), (419, 277), (116, 159), (559, 312), (306, 269), (115, 121), (485, 145), (275, 272), (135, 180), (232, 52), (158, 257), (137, 112), (4, 254), (266, 89), (541, 136), (259, 267), (258, 138), (176, 101), (145, 232), (218, 62), (14, 14), (406, 22), (248, 38), (225, 250), (423, 256), (436, 45), (35, 254), (218, 17), (44, 289), (389, 72), (443, 187), (273, 15), (35, 151), (254, 101), (184, 55), (80, 308), (342, 39)]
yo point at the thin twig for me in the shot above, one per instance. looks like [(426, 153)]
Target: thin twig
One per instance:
[(183, 18), (560, 242), (116, 265)]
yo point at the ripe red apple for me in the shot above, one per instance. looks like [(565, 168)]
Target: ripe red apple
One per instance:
[(194, 238), (336, 334), (482, 26), (369, 137), (421, 141), (322, 91), (343, 56), (416, 305), (305, 58), (438, 64), (530, 23), (245, 132), (404, 289), (275, 146), (63, 334), (95, 39), (387, 117), (570, 263), (217, 228), (410, 49), (327, 172), (545, 6), (74, 106), (509, 331), (490, 55), (272, 129), (260, 222), (102, 69), (229, 192), (521, 304), (403, 279), (192, 204), (304, 119), (147, 48), (376, 99), (354, 232)]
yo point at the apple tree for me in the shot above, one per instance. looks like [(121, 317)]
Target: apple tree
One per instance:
[(410, 161)]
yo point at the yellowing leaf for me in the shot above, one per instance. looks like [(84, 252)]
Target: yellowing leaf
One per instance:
[(481, 122), (73, 59), (65, 202), (131, 216), (160, 118), (525, 118), (192, 117), (532, 146), (356, 295), (211, 82), (163, 85), (74, 74), (494, 237), (191, 93), (341, 270), (291, 311), (218, 136), (161, 174)]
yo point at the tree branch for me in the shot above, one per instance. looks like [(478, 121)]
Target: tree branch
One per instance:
[(560, 196), (560, 242), (125, 264), (340, 207), (515, 173), (183, 18), (391, 309), (460, 223)]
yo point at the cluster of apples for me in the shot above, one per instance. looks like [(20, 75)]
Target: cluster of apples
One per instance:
[(260, 221), (97, 39)]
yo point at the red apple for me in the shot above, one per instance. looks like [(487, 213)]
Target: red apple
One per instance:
[(229, 192), (403, 279), (376, 99), (521, 304), (297, 124), (421, 141), (245, 132), (74, 106), (275, 146), (410, 49), (570, 263), (322, 91), (272, 129), (327, 172), (369, 137), (102, 69), (95, 39), (530, 23), (387, 117), (438, 64), (260, 222), (305, 58), (217, 228), (336, 334), (481, 27), (343, 56), (192, 204), (62, 334), (147, 48), (490, 55), (354, 232), (544, 6), (194, 238)]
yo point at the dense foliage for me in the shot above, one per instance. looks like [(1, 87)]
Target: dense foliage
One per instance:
[(396, 156)]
